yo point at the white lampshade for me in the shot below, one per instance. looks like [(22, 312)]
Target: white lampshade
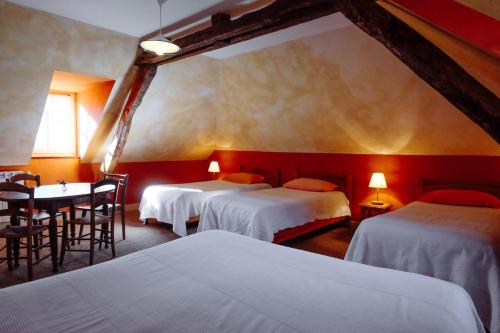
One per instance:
[(377, 180), (214, 167), (159, 45)]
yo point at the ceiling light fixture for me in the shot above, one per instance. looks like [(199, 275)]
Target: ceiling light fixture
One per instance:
[(160, 45)]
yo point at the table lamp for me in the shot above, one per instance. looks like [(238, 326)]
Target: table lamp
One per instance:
[(377, 181), (214, 168)]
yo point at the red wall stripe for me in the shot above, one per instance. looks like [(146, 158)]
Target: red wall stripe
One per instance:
[(142, 174), (401, 171), (464, 22)]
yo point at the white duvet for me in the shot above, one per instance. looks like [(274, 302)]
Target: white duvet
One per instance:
[(261, 214), (175, 204), (222, 282), (454, 243)]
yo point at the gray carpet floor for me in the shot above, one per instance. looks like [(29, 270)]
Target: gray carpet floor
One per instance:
[(332, 242)]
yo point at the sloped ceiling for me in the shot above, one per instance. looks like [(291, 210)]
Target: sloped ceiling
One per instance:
[(177, 118), (28, 57), (339, 91)]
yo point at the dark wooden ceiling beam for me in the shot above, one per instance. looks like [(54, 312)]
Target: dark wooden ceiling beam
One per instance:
[(141, 85), (428, 62), (279, 15)]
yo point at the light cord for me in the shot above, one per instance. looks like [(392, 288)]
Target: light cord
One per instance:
[(160, 3)]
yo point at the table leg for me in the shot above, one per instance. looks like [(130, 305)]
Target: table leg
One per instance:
[(72, 216), (14, 221), (53, 238)]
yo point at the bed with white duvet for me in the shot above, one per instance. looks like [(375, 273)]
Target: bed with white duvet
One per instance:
[(222, 282), (460, 244), (261, 214), (176, 204)]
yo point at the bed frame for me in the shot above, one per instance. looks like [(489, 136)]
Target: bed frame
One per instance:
[(427, 185), (271, 176), (345, 184)]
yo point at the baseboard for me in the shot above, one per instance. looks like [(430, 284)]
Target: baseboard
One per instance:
[(132, 206)]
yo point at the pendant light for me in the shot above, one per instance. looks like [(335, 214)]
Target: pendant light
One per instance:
[(160, 45)]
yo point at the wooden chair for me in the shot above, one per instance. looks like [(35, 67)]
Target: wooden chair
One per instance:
[(39, 216), (14, 233), (122, 187), (104, 217), (27, 178)]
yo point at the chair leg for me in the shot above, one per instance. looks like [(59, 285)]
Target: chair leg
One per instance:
[(106, 235), (36, 242), (64, 241), (112, 232), (16, 252), (9, 254), (101, 237), (29, 256), (72, 228), (80, 233), (122, 212), (15, 242), (92, 243)]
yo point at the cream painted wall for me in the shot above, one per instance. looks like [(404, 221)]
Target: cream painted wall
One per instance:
[(32, 45), (176, 120), (339, 92)]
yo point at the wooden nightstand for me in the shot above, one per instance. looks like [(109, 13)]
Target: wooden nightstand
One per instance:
[(369, 210)]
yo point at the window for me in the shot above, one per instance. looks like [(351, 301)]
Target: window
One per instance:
[(57, 132)]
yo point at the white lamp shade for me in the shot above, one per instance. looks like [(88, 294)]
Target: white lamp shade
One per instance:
[(160, 46), (214, 167), (377, 180)]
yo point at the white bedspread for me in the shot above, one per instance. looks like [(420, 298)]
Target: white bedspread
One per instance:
[(175, 204), (222, 282), (453, 243), (260, 214)]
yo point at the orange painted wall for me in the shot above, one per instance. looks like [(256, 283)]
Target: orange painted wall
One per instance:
[(52, 169), (94, 98)]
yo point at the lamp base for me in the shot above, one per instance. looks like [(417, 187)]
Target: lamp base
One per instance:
[(377, 202)]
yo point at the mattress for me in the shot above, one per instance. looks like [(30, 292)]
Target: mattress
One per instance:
[(261, 214), (175, 204), (454, 243), (222, 282)]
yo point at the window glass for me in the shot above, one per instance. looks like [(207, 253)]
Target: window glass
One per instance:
[(56, 135)]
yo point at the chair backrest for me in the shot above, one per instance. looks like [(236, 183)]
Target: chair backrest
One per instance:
[(24, 199), (25, 178), (122, 184), (97, 198)]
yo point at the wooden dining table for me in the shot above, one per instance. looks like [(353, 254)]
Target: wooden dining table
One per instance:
[(52, 198)]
